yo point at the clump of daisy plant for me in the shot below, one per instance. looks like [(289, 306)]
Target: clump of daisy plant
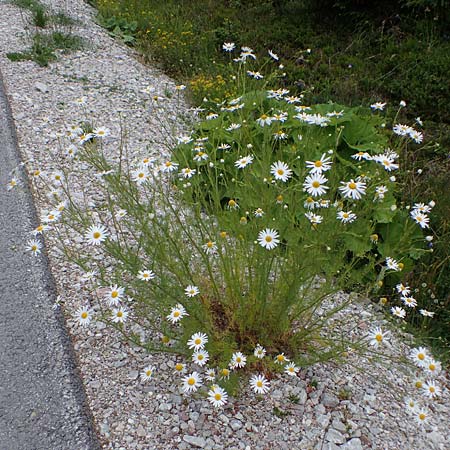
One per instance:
[(227, 250)]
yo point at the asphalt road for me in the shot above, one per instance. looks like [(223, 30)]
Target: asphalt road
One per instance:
[(42, 403)]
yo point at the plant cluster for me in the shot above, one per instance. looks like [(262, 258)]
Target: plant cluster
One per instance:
[(229, 251), (50, 34)]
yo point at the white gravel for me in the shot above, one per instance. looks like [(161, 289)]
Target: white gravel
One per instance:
[(357, 405)]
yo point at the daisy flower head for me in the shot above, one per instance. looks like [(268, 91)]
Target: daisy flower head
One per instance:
[(101, 132), (260, 384), (353, 189), (238, 360), (419, 356), (187, 172), (147, 373), (392, 264), (281, 359), (402, 289), (426, 313), (280, 135), (420, 218), (180, 368), (232, 204), (401, 130), (200, 357), (197, 341), (313, 218), (258, 212), (115, 294), (362, 155), (12, 183), (315, 184), (210, 248), (200, 156), (291, 369), (273, 55), (398, 312), (422, 207), (51, 216), (280, 170), (140, 175), (40, 229), (120, 315), (33, 246), (210, 374), (346, 216), (321, 165), (192, 382), (244, 161), (416, 136), (378, 337), (177, 313), (224, 373), (217, 396), (432, 366), (264, 120), (377, 106), (421, 414), (431, 389), (259, 351), (84, 316), (411, 302), (268, 238), (410, 404), (146, 275), (96, 234), (310, 203), (228, 46), (168, 167), (191, 290)]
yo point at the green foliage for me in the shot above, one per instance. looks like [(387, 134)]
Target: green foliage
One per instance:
[(121, 28)]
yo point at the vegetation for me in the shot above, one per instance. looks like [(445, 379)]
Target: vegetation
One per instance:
[(51, 33), (353, 52)]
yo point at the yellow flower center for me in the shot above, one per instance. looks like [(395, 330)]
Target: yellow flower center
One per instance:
[(238, 359), (225, 372), (318, 164), (191, 381), (176, 314), (223, 234), (141, 175), (315, 184), (264, 117), (209, 244), (168, 164), (280, 172), (51, 217), (179, 367), (39, 228), (231, 203), (431, 389), (432, 367), (345, 215), (352, 185), (119, 313), (268, 238), (197, 341), (200, 357), (84, 315), (259, 383), (422, 416), (379, 337), (218, 396), (114, 294), (279, 198), (34, 247), (96, 235), (421, 356), (418, 384), (280, 358)]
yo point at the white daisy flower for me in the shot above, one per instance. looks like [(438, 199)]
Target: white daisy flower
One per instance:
[(353, 189), (431, 389), (229, 46), (392, 264), (422, 414), (321, 165), (84, 315), (192, 382), (120, 315), (96, 234), (268, 238), (140, 175), (281, 171), (260, 384), (398, 312), (180, 368), (291, 369), (33, 246), (197, 341), (259, 351), (146, 275), (378, 106), (315, 184), (346, 216), (419, 356), (210, 248), (191, 290), (420, 218), (114, 295), (281, 359), (378, 337), (147, 373), (177, 313), (200, 357), (314, 218), (187, 173), (238, 360), (168, 166), (217, 396)]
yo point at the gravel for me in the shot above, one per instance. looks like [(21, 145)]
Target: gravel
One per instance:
[(356, 404)]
